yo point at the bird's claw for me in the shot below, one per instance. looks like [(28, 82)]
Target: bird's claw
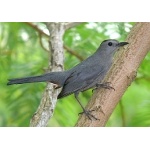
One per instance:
[(105, 85), (88, 114)]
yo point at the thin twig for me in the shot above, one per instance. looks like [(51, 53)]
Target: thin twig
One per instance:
[(37, 28), (71, 25), (73, 53), (41, 43)]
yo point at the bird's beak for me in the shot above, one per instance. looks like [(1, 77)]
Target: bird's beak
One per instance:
[(122, 44)]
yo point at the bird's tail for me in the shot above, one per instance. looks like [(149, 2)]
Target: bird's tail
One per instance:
[(54, 77)]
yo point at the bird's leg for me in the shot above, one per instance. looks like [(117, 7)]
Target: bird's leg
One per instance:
[(105, 85), (86, 112)]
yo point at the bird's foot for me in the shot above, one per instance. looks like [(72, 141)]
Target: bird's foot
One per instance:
[(105, 85), (88, 114)]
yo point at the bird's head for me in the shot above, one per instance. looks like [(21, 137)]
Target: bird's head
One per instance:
[(111, 46)]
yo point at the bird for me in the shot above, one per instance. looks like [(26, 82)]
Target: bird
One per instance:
[(88, 74)]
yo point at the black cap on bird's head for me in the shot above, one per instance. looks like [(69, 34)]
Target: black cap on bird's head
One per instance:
[(110, 46), (113, 43)]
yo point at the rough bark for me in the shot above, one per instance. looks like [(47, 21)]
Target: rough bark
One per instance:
[(49, 98), (121, 75)]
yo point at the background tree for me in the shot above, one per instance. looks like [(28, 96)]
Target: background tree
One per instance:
[(24, 52)]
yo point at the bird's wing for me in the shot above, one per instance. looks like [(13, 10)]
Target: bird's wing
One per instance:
[(81, 80)]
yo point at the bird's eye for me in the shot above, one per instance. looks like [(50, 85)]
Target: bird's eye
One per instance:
[(110, 43)]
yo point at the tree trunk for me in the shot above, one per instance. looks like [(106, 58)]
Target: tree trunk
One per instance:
[(49, 98), (121, 75)]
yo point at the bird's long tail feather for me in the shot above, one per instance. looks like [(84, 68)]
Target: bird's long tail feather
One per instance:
[(51, 77)]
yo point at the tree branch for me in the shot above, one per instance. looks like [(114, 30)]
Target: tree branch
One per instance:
[(41, 43), (49, 99), (71, 25), (69, 50), (36, 28), (121, 75), (73, 53)]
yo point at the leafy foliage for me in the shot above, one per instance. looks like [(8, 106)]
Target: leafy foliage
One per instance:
[(22, 54)]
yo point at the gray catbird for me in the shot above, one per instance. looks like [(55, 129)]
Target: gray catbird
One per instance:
[(86, 75)]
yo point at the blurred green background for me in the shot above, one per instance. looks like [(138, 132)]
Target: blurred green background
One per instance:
[(23, 52)]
